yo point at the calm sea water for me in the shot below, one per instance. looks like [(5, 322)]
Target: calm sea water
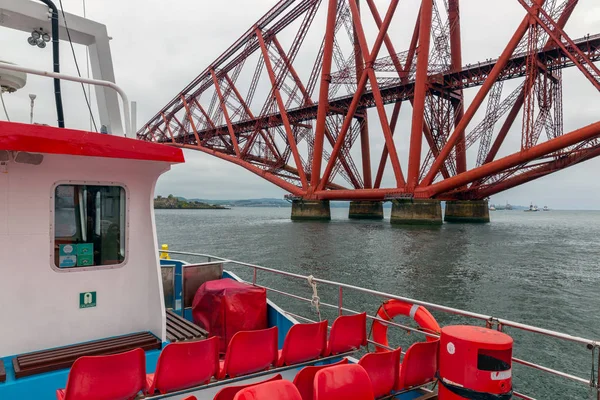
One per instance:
[(536, 268)]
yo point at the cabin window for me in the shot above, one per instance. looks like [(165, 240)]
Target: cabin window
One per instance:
[(89, 226)]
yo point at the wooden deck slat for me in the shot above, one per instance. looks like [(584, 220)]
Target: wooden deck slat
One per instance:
[(175, 330), (66, 351), (179, 329), (89, 351), (54, 359)]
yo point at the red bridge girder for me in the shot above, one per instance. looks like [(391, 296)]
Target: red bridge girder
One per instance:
[(287, 136)]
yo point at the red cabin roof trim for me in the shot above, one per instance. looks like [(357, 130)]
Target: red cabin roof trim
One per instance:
[(47, 139)]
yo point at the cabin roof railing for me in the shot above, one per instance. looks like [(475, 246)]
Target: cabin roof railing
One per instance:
[(490, 321), (129, 128)]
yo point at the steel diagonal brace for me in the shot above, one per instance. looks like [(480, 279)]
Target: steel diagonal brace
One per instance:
[(282, 110), (244, 105), (225, 112), (307, 101), (562, 21), (535, 12), (368, 74), (525, 156), (479, 97)]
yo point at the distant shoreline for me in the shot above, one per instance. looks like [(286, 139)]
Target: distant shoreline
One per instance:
[(177, 203)]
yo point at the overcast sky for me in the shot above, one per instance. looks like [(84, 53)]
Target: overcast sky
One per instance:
[(159, 47)]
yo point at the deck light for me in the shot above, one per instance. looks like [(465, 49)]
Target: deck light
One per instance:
[(35, 35), (32, 41), (46, 37), (41, 44)]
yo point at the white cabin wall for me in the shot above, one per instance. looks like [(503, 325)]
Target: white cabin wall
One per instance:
[(3, 204), (39, 307)]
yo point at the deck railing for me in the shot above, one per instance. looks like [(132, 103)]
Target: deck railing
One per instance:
[(490, 321)]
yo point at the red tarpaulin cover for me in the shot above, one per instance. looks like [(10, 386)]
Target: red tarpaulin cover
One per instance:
[(225, 306)]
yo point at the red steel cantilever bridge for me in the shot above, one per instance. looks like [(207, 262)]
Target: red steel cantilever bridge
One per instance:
[(290, 101)]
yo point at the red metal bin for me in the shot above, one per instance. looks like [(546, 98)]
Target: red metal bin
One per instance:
[(474, 362)]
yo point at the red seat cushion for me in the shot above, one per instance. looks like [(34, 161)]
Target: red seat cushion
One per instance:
[(250, 351), (343, 382), (185, 364), (116, 376), (276, 390), (305, 377), (304, 342), (419, 364), (149, 381), (229, 392), (348, 332), (60, 394), (383, 370)]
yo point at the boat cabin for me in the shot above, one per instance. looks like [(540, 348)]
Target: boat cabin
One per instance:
[(77, 239)]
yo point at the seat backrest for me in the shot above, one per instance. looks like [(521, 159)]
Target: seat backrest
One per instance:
[(304, 379), (186, 364), (117, 376), (277, 390), (250, 351), (348, 332), (383, 370), (349, 381), (304, 342), (229, 392), (419, 364)]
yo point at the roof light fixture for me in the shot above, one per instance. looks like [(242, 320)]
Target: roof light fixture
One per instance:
[(39, 38)]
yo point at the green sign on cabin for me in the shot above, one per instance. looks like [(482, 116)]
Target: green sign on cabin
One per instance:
[(87, 299)]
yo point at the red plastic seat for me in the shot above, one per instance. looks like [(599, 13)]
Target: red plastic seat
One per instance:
[(303, 342), (383, 370), (184, 365), (115, 377), (250, 351), (276, 390), (304, 379), (229, 392), (419, 364), (348, 332), (350, 382)]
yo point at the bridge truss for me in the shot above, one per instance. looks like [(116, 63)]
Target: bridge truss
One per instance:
[(290, 101)]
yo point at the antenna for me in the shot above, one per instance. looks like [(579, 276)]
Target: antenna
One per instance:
[(32, 97)]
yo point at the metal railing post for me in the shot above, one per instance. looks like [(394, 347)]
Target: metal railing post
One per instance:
[(340, 301), (597, 388)]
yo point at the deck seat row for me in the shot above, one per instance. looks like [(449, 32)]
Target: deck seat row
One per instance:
[(349, 381), (385, 375), (188, 364)]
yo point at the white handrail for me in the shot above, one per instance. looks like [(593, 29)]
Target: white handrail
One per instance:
[(96, 82)]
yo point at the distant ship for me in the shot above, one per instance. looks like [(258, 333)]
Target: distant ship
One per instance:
[(508, 206), (532, 208), (546, 208), (492, 208)]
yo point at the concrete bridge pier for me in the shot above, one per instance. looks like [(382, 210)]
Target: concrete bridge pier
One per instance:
[(310, 210), (416, 212), (467, 211), (366, 210)]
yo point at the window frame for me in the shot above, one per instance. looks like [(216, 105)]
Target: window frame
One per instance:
[(53, 221)]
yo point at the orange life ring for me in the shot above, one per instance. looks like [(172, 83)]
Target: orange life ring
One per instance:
[(390, 309)]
